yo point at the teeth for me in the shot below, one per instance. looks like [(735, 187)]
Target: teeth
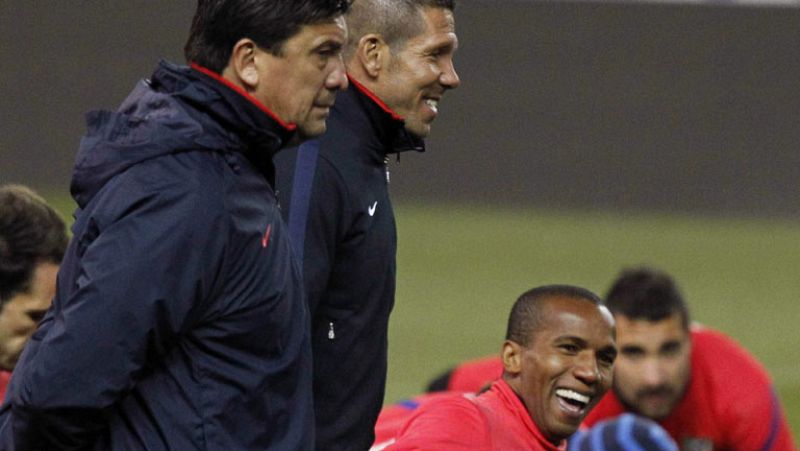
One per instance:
[(433, 104), (575, 396)]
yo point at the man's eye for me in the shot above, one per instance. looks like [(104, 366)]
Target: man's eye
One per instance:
[(606, 359), (328, 52), (36, 315), (434, 55), (569, 348), (671, 349)]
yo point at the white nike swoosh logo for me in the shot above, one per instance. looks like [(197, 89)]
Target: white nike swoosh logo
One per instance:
[(371, 209)]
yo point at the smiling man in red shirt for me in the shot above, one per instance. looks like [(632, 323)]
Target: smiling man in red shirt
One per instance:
[(557, 364)]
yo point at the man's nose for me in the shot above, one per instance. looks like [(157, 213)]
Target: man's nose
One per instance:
[(449, 77), (652, 372), (337, 79), (587, 370)]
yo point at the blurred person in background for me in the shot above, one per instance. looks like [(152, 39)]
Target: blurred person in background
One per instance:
[(705, 389), (33, 238), (472, 376), (336, 201), (558, 358), (179, 320)]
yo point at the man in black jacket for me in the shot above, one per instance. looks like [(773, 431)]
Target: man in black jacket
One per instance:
[(399, 59), (179, 320)]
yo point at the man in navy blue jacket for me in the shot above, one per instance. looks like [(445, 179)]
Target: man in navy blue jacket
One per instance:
[(400, 63), (178, 321)]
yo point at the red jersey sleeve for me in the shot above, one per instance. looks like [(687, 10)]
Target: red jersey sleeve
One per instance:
[(453, 424), (753, 414)]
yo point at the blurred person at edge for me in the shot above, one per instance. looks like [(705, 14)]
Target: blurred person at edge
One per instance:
[(470, 377), (399, 59), (706, 390), (179, 320), (557, 358), (33, 238)]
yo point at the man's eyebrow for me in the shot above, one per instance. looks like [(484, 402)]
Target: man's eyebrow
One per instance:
[(330, 43), (572, 338), (629, 348), (445, 43)]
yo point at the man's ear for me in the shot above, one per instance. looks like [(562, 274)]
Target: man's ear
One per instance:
[(512, 357), (242, 66), (371, 54)]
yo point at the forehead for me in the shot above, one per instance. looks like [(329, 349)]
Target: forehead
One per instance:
[(574, 317), (312, 35), (439, 28), (649, 334)]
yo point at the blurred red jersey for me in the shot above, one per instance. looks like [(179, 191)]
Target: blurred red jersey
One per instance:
[(730, 403), (475, 374)]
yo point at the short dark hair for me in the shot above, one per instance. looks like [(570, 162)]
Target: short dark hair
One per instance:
[(219, 24), (395, 20), (648, 294), (526, 314), (31, 232)]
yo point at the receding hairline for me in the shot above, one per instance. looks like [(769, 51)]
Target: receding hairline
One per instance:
[(396, 21)]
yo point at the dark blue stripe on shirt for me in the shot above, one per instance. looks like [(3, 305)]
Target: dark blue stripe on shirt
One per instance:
[(301, 195), (775, 424)]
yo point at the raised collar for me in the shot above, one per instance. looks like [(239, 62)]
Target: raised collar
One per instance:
[(254, 122), (361, 108)]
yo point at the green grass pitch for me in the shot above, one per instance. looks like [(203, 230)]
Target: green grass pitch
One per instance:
[(461, 268)]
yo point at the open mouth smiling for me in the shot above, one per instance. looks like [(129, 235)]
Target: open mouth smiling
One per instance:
[(572, 402)]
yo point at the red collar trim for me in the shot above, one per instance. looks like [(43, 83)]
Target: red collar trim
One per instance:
[(375, 98), (288, 126)]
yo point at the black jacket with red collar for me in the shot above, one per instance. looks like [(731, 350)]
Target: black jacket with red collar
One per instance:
[(178, 322), (335, 196)]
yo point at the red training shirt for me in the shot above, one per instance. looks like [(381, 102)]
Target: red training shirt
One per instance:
[(493, 421)]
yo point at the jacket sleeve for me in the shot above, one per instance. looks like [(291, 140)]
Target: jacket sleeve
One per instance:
[(136, 275), (454, 424)]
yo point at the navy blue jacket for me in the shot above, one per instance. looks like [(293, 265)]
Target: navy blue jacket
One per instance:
[(349, 243), (179, 320)]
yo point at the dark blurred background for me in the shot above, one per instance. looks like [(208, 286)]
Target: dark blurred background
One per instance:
[(688, 107)]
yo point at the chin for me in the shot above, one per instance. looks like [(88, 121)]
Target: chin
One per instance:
[(310, 132), (560, 433), (421, 131)]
